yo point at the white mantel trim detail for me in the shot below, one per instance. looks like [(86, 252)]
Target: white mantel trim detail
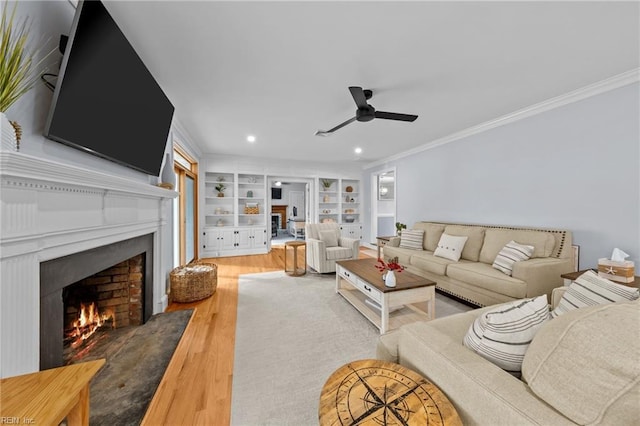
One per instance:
[(50, 209), (615, 82)]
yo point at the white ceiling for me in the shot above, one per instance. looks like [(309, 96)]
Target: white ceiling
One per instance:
[(281, 70)]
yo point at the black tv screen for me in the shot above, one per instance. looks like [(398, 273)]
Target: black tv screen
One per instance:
[(106, 101), (276, 193)]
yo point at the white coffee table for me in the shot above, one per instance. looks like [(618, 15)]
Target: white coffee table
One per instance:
[(360, 283)]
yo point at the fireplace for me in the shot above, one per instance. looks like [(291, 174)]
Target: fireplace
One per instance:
[(52, 212), (107, 281)]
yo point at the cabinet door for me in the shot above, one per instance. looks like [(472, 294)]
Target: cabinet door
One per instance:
[(243, 238), (345, 231), (227, 239), (210, 240), (259, 237)]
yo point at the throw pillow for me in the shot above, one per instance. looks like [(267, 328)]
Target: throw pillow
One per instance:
[(589, 289), (502, 335), (329, 238), (450, 247), (412, 239), (511, 253)]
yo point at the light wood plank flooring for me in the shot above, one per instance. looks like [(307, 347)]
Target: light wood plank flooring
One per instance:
[(196, 388)]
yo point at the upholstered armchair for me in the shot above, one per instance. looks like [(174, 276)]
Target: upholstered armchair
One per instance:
[(325, 245)]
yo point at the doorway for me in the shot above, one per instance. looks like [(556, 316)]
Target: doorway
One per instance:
[(289, 205), (383, 203), (185, 208)]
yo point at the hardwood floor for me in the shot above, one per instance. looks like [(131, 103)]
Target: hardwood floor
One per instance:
[(196, 388)]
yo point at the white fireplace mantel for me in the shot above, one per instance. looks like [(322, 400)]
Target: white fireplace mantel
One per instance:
[(51, 209)]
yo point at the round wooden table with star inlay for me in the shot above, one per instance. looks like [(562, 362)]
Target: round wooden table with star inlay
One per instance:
[(375, 392)]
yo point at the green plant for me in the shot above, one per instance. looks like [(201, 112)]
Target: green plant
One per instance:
[(326, 183), (400, 227), (19, 68), (220, 187)]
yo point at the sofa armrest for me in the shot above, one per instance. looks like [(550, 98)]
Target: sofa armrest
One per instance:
[(387, 346), (542, 275), (556, 295), (352, 243), (315, 252), (394, 242)]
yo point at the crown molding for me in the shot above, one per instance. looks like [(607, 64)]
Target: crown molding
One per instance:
[(184, 139), (611, 83)]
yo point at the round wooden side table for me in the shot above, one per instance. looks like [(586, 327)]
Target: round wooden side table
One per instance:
[(375, 392), (291, 268)]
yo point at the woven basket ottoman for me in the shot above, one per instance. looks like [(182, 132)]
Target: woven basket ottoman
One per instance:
[(195, 281)]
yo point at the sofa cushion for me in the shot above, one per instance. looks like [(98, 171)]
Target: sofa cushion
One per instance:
[(329, 238), (585, 364), (338, 253), (432, 233), (402, 254), (511, 253), (495, 240), (426, 261), (486, 277), (450, 247), (412, 239), (589, 289), (503, 334), (473, 245)]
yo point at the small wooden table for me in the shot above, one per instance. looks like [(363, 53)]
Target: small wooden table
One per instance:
[(48, 396), (569, 277), (361, 284), (382, 241), (374, 392), (294, 271)]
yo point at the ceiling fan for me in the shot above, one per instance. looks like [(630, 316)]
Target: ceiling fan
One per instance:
[(366, 112)]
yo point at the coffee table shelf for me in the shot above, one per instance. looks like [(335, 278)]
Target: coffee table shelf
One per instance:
[(358, 280)]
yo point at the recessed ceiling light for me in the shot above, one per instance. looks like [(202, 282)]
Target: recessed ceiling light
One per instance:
[(278, 183), (251, 138), (358, 150)]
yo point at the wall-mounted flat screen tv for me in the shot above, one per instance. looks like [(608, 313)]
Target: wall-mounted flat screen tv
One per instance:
[(106, 102), (276, 193)]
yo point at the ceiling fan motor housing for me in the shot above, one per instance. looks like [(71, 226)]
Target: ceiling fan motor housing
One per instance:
[(366, 114)]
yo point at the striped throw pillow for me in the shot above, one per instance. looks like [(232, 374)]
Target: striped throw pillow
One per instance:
[(502, 335), (589, 289), (411, 239), (511, 253)]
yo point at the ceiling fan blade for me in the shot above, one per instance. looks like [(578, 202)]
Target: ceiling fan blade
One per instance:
[(328, 132), (395, 116), (358, 96)]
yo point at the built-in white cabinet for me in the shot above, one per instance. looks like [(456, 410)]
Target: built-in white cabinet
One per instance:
[(235, 218), (352, 230), (339, 201)]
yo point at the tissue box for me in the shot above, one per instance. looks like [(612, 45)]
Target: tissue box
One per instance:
[(622, 272)]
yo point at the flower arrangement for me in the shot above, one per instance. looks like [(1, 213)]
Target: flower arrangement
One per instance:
[(400, 227), (392, 265), (326, 183), (220, 188)]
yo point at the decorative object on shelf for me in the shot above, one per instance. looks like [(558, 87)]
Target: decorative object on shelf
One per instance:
[(220, 222), (388, 270), (167, 175), (326, 184), (400, 227), (220, 188), (249, 194), (349, 219), (348, 211), (328, 220), (20, 70), (221, 179), (251, 208), (326, 199), (349, 189), (218, 210), (326, 211), (347, 199), (253, 179), (352, 200)]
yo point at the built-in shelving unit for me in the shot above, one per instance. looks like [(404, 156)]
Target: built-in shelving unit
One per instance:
[(339, 202), (235, 218)]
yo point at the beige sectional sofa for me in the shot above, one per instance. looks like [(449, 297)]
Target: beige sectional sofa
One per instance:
[(581, 368), (473, 278)]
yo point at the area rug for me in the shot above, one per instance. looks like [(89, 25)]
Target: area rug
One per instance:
[(291, 334), (122, 390)]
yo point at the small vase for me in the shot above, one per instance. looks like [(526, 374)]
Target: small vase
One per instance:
[(9, 139), (390, 279), (168, 176)]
